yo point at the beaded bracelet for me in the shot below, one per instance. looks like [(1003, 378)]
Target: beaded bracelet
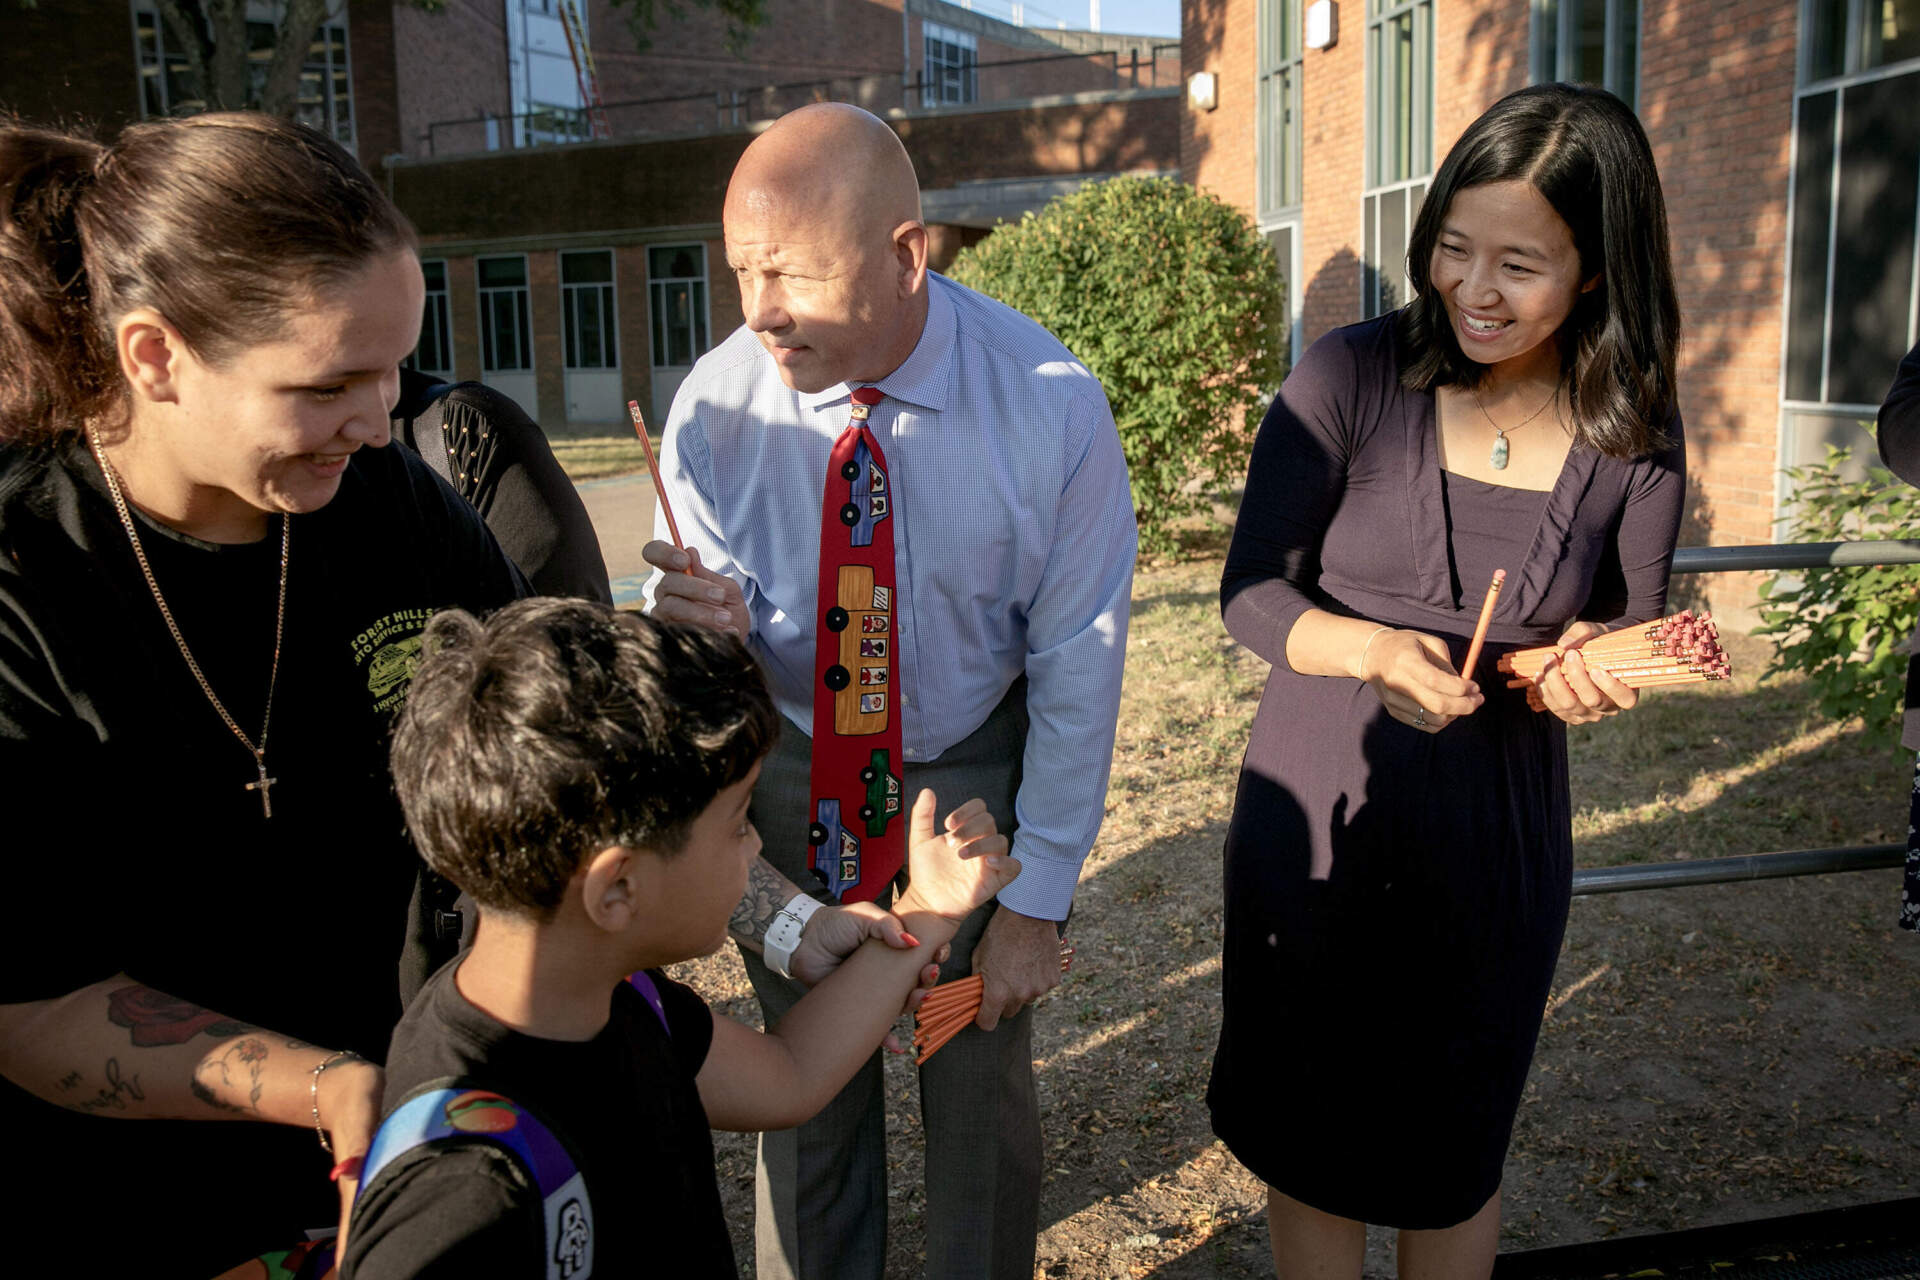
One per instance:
[(313, 1093)]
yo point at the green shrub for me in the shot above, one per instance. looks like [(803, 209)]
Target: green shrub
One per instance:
[(1844, 628), (1172, 299)]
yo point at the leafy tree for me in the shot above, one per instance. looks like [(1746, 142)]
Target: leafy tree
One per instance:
[(1845, 628), (212, 36), (1173, 300)]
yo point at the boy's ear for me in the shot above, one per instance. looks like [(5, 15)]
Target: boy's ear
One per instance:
[(610, 889)]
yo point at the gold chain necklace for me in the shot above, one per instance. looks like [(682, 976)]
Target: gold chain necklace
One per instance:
[(259, 752), (1497, 459)]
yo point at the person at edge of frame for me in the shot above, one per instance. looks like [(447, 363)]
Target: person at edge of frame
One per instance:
[(1899, 435)]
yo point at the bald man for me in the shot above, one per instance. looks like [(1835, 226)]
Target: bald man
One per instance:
[(1014, 545)]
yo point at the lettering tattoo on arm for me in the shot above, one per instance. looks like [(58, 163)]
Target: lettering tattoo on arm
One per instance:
[(767, 891), (114, 1095)]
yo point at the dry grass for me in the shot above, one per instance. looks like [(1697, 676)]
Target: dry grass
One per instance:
[(591, 452), (1713, 1054)]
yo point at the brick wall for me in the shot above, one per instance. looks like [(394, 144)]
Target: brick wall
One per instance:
[(604, 186), (1480, 54), (1217, 147), (1717, 101), (69, 64), (450, 65), (376, 108), (1333, 129)]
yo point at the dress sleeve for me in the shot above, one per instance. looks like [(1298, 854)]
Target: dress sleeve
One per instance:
[(1649, 526), (1295, 482), (1900, 421), (451, 1213)]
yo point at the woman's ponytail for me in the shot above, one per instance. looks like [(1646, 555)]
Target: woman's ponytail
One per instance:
[(54, 373)]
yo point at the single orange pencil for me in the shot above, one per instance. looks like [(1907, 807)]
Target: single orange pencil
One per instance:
[(1480, 628), (659, 487)]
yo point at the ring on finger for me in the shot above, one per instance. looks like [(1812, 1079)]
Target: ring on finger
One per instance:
[(1419, 717)]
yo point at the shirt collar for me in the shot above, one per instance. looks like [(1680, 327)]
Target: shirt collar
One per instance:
[(922, 378)]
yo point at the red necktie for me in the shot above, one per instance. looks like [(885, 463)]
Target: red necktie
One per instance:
[(857, 832)]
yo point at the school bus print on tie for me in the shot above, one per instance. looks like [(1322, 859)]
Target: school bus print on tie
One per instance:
[(858, 843)]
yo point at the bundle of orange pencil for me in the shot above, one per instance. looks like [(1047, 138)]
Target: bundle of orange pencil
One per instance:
[(952, 1005), (1680, 649)]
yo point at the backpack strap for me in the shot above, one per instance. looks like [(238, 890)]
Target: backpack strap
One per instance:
[(446, 1112), (641, 982)]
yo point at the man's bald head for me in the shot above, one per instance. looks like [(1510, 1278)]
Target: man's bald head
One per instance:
[(833, 160), (823, 232)]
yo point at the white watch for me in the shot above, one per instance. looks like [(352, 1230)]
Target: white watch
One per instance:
[(783, 932)]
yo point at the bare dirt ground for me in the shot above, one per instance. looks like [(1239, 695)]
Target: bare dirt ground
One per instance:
[(1711, 1054)]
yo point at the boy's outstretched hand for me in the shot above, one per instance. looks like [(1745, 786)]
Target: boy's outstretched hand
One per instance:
[(952, 871)]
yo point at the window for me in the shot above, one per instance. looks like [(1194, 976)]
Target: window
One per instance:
[(1593, 42), (435, 353), (586, 306), (506, 341), (1278, 141), (677, 283), (1399, 144), (952, 58), (1853, 247), (168, 86), (1846, 37)]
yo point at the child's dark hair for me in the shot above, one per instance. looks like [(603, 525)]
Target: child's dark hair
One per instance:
[(1586, 154), (558, 728), (224, 223)]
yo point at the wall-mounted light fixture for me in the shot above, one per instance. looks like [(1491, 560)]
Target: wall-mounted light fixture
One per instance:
[(1323, 24), (1203, 91)]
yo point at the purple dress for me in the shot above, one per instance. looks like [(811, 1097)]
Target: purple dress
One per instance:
[(1395, 899)]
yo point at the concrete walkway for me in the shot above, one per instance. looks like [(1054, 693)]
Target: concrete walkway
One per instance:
[(621, 508)]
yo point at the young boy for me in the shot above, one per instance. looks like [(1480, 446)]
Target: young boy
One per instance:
[(584, 776)]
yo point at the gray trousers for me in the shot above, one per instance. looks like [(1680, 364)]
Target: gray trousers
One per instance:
[(821, 1189)]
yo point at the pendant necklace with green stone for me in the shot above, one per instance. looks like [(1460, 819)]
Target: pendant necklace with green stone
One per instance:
[(1498, 458)]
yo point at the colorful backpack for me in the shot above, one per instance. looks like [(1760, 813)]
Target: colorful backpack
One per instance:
[(450, 1110)]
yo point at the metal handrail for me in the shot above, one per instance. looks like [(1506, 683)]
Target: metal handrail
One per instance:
[(1762, 866), (1796, 555), (1749, 866)]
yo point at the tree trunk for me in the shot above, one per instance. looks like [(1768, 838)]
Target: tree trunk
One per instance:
[(281, 94)]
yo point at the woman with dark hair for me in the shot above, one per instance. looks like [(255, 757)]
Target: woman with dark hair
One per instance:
[(1398, 867), (213, 583)]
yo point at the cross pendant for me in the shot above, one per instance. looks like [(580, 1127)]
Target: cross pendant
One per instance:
[(266, 804)]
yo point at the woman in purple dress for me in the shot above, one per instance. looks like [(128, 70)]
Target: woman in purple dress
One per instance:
[(1399, 863)]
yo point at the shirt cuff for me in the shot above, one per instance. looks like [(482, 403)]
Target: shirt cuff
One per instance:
[(1044, 888)]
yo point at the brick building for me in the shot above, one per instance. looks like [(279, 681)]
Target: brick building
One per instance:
[(577, 276), (1788, 146)]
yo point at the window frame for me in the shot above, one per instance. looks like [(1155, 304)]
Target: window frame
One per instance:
[(437, 320), (1374, 190), (334, 33), (523, 319), (933, 78), (608, 303), (701, 337), (1562, 53), (1795, 413)]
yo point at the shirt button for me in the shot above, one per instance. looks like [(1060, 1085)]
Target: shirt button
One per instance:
[(905, 700), (911, 753)]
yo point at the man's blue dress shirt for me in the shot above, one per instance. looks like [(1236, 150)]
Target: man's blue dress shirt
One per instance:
[(1014, 543)]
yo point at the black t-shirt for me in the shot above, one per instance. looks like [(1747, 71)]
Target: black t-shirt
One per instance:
[(624, 1104), (132, 843)]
